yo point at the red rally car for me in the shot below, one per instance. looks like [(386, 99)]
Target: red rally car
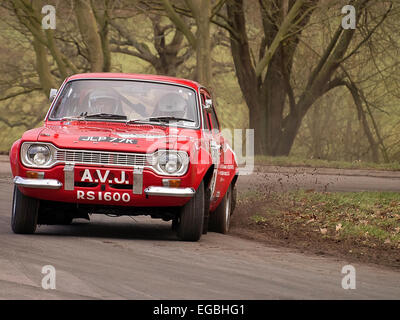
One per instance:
[(126, 144)]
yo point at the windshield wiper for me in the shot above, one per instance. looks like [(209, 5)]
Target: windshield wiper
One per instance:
[(105, 116), (137, 120), (72, 118), (158, 119), (167, 119)]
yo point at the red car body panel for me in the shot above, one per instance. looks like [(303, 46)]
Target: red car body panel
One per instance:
[(148, 138)]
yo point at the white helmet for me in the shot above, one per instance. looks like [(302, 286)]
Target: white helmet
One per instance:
[(103, 102), (171, 104)]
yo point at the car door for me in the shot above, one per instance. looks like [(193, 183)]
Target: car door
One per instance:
[(216, 142)]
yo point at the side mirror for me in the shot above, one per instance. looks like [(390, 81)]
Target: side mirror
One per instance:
[(208, 105), (52, 95)]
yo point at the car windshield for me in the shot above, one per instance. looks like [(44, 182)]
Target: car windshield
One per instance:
[(126, 100)]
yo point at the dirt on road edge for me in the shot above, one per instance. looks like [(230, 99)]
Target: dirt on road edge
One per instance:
[(273, 232)]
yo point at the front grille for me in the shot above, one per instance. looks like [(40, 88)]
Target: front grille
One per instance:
[(101, 158)]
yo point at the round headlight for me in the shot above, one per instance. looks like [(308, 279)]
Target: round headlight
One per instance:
[(38, 154), (171, 166), (170, 162)]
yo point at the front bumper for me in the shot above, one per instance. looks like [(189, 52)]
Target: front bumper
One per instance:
[(169, 192), (37, 183), (149, 191), (64, 184)]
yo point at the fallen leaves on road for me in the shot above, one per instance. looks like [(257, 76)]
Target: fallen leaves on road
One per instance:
[(311, 220), (323, 230)]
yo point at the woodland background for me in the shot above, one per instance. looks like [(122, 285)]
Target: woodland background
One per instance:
[(286, 68)]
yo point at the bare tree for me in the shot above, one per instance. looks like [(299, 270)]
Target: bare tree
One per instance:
[(266, 82), (202, 11), (167, 55)]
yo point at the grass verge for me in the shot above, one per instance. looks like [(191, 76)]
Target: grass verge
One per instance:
[(363, 226)]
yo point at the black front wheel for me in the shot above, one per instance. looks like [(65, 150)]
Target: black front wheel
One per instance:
[(220, 219), (191, 218), (24, 213)]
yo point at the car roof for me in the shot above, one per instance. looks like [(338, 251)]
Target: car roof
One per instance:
[(135, 76)]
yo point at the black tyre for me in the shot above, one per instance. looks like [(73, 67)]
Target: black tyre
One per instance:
[(174, 225), (221, 217), (191, 218), (234, 199), (24, 213), (66, 220), (207, 199)]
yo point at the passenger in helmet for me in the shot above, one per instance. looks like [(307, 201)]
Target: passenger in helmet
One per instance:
[(103, 102), (171, 105)]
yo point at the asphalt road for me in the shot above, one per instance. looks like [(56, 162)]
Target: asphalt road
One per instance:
[(321, 179), (125, 258)]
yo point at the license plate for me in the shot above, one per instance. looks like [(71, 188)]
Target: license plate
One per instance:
[(119, 177), (103, 196)]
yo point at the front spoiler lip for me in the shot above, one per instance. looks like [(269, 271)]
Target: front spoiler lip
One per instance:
[(169, 192), (37, 183)]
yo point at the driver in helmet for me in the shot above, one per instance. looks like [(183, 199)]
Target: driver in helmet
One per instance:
[(103, 102), (171, 104)]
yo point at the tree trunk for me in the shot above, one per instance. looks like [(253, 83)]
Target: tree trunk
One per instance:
[(363, 119), (203, 46), (266, 97), (316, 132), (101, 15), (42, 67), (89, 31), (167, 61), (290, 130), (274, 96), (258, 117)]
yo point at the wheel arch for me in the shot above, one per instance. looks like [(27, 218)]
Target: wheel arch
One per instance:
[(208, 176)]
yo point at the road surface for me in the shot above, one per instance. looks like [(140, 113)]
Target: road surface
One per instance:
[(125, 258), (320, 179)]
